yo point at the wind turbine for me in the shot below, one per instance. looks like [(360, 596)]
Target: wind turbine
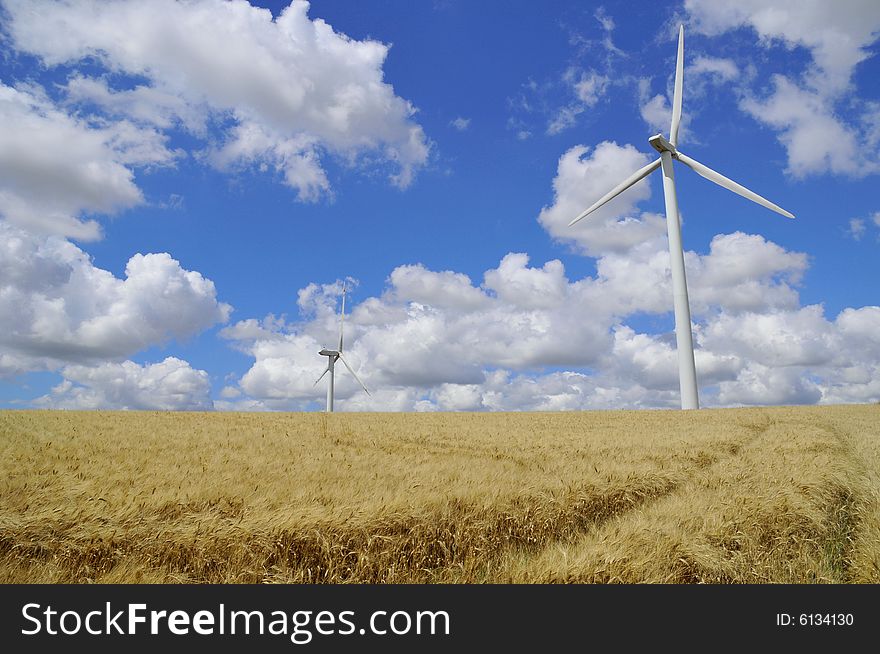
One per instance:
[(333, 356), (687, 373)]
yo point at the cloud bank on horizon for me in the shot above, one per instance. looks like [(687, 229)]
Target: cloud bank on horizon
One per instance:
[(102, 99)]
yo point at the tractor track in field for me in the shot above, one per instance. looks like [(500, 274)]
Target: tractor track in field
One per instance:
[(700, 461), (758, 497), (453, 538)]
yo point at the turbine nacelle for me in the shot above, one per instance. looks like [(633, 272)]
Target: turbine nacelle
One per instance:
[(329, 353), (659, 143)]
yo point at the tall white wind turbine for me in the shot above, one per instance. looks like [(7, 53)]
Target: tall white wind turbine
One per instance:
[(687, 374), (336, 355)]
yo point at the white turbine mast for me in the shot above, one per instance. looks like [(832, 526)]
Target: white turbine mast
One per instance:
[(336, 355), (687, 374)]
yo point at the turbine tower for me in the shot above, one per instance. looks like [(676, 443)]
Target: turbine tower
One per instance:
[(333, 356), (687, 374)]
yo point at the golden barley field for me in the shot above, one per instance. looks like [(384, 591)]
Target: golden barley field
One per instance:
[(769, 495)]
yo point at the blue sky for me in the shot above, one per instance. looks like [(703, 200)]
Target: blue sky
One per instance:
[(184, 188)]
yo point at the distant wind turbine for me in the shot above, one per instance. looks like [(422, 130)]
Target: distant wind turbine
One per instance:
[(333, 356), (687, 373)]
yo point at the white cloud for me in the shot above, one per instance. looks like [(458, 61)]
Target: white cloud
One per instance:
[(54, 168), (291, 88), (856, 228), (295, 158), (838, 34), (459, 397), (859, 227), (725, 70), (230, 393), (57, 307), (745, 272), (758, 384), (252, 329), (856, 375), (815, 140), (287, 367), (608, 25), (435, 341), (606, 21), (445, 289), (799, 356), (560, 101), (522, 317), (528, 288), (461, 124), (143, 104), (587, 86), (653, 362), (657, 113), (636, 280), (171, 385), (818, 136), (656, 110), (861, 329), (582, 178), (564, 118), (800, 337)]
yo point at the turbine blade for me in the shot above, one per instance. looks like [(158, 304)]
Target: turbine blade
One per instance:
[(679, 83), (341, 358), (729, 184), (620, 188), (326, 370), (342, 318)]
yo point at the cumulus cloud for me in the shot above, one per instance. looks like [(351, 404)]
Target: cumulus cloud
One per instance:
[(57, 307), (583, 176), (459, 397), (799, 356), (757, 384), (283, 92), (800, 337), (428, 329), (55, 167), (745, 272), (171, 385), (446, 289), (815, 139), (437, 341), (515, 283)]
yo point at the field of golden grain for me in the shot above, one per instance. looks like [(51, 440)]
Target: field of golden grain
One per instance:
[(719, 496)]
